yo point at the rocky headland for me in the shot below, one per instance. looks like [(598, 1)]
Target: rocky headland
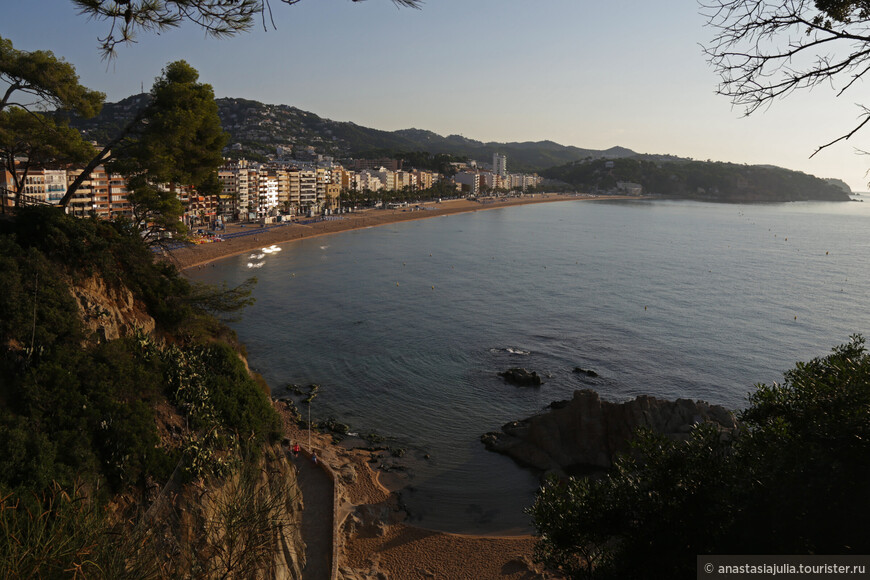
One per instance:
[(587, 433)]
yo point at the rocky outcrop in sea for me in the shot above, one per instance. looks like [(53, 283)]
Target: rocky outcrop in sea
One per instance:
[(586, 432)]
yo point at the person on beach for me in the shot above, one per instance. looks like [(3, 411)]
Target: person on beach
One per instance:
[(314, 457), (296, 450)]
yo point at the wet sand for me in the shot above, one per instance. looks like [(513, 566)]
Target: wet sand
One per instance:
[(201, 254)]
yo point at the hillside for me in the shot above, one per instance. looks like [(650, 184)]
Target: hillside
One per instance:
[(130, 426), (260, 128), (701, 180)]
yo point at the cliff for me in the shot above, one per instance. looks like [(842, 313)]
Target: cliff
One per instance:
[(130, 424), (247, 523), (110, 311), (586, 432)]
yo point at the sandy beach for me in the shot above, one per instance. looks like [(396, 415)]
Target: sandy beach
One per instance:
[(372, 542), (201, 254)]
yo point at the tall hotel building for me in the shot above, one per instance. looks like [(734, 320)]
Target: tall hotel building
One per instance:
[(499, 164)]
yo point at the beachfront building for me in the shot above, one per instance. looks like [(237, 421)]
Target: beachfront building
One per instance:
[(81, 203), (387, 178), (236, 189), (199, 210), (469, 181), (367, 180), (499, 165), (55, 184), (629, 188), (103, 194), (307, 188), (323, 177), (522, 181), (422, 179), (333, 197), (267, 199)]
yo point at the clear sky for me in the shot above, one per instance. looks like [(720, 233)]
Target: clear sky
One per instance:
[(589, 74)]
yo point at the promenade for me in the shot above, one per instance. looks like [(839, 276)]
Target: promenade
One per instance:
[(318, 492)]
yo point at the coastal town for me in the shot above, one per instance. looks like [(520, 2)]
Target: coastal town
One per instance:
[(281, 189)]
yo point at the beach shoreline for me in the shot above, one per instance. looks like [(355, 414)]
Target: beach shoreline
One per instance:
[(199, 255), (371, 538)]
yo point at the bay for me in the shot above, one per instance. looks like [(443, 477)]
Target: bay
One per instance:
[(406, 326)]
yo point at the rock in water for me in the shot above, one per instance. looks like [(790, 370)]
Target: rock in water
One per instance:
[(588, 432), (587, 372), (521, 377)]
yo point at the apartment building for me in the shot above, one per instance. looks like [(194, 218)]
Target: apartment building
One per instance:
[(323, 178), (267, 199), (367, 180), (307, 188), (375, 164), (499, 165), (469, 181), (424, 179)]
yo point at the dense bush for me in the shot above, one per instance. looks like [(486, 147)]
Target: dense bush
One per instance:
[(73, 408), (794, 482)]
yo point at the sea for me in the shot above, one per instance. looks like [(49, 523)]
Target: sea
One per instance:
[(405, 327)]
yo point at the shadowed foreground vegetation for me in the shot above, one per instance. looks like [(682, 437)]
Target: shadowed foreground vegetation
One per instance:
[(793, 481), (79, 427)]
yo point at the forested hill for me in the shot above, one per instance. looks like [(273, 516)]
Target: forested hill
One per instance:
[(260, 128), (701, 180)]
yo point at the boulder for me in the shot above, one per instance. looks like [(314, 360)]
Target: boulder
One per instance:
[(587, 372), (521, 377), (588, 432)]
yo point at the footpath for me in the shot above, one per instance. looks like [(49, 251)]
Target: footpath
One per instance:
[(318, 498)]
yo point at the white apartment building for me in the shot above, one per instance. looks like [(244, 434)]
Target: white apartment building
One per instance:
[(367, 179), (388, 178), (268, 195), (499, 165)]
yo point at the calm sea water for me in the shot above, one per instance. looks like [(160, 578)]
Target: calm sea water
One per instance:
[(405, 326)]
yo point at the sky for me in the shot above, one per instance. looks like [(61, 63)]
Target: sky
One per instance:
[(589, 74)]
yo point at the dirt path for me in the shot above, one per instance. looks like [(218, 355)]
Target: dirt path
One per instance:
[(317, 495)]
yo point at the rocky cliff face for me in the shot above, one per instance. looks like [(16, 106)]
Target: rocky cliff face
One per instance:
[(588, 432), (248, 524), (111, 312)]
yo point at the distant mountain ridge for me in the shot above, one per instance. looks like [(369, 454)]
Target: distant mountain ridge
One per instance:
[(260, 128)]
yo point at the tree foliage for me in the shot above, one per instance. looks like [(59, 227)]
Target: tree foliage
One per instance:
[(217, 17), (29, 140), (175, 139), (45, 81), (793, 482), (716, 181), (765, 50), (179, 138)]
